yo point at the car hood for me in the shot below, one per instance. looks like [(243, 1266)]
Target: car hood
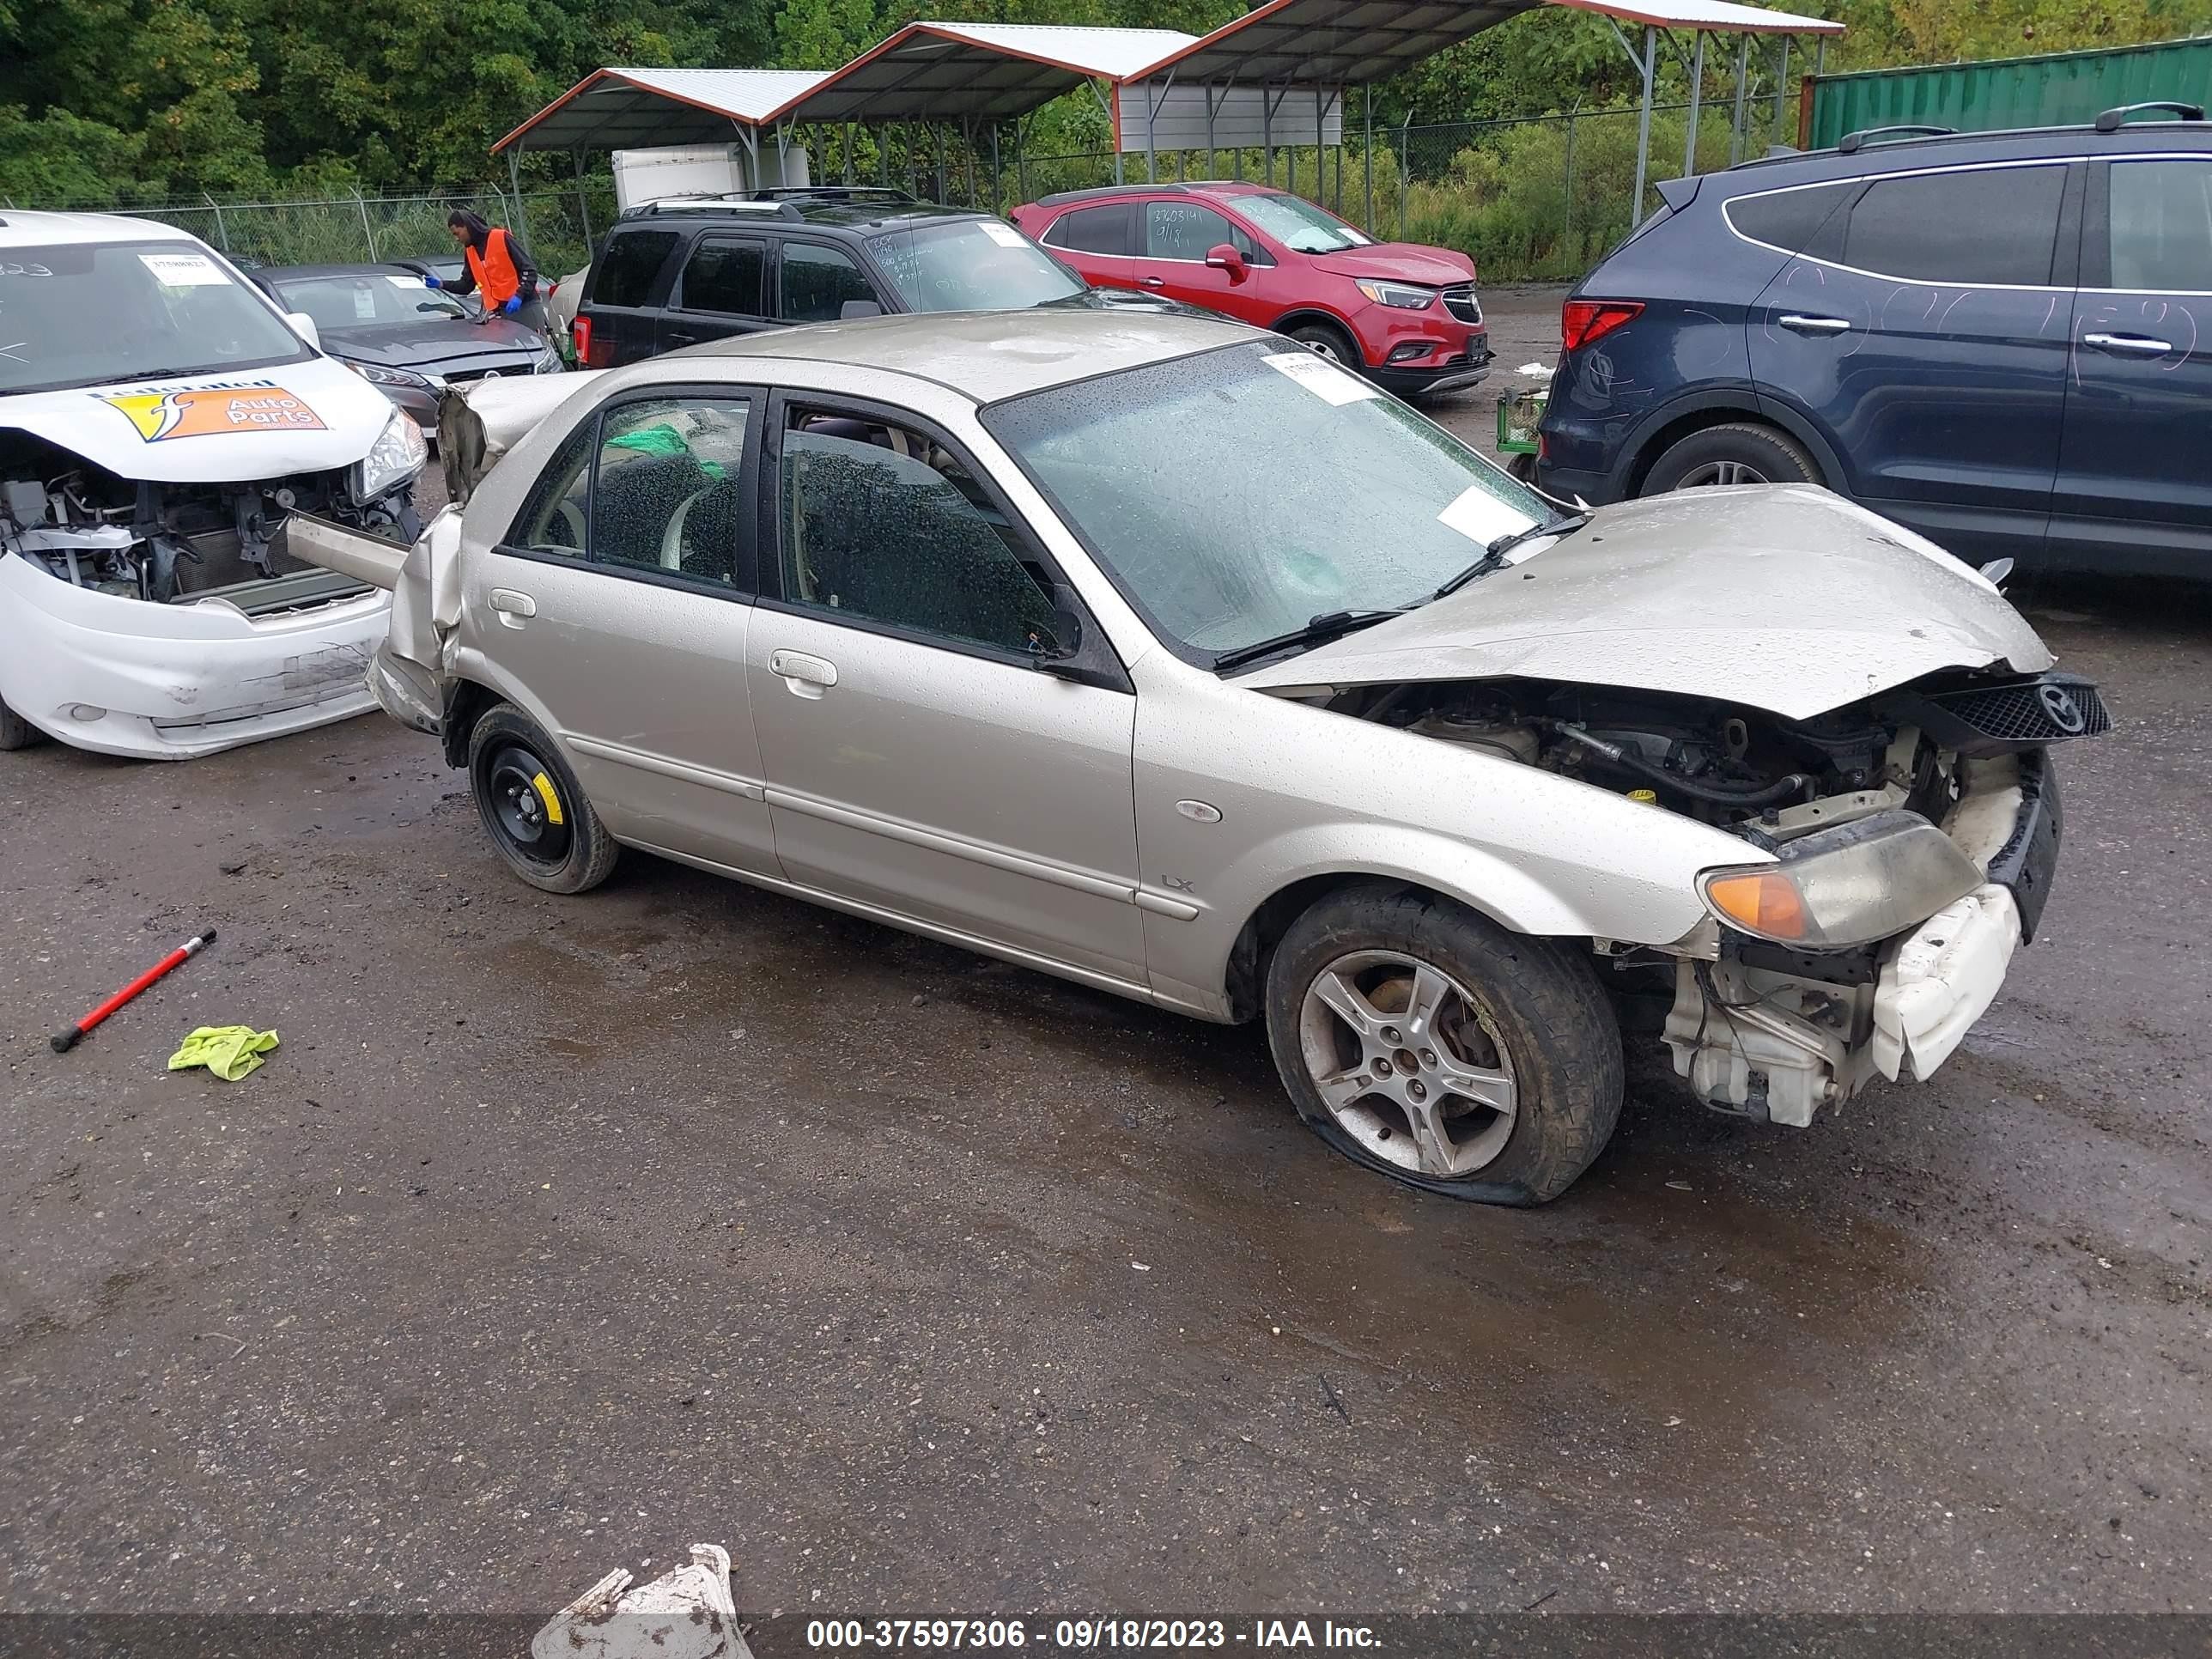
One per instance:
[(1783, 598), (310, 417), (428, 343), (1401, 262)]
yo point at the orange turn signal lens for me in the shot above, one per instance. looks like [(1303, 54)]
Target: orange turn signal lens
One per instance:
[(1762, 902)]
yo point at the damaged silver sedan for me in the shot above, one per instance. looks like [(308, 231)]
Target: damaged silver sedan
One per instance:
[(1145, 652)]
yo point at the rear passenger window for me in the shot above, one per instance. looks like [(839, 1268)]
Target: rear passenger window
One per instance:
[(669, 494), (2162, 225), (819, 283), (1987, 225), (624, 272), (1093, 230), (1808, 221), (724, 277)]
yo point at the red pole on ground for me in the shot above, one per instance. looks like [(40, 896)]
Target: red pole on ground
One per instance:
[(65, 1041)]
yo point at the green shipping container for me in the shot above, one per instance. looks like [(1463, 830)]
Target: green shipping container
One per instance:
[(2064, 88)]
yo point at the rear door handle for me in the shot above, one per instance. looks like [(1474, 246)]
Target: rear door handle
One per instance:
[(2128, 345), (805, 676), (513, 606), (1156, 282), (1797, 324), (683, 339)]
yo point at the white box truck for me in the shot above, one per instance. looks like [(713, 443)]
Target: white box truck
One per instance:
[(655, 175)]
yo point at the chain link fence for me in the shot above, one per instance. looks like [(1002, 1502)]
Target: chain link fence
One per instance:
[(558, 226), (1535, 199)]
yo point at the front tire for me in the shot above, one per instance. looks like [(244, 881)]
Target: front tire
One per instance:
[(1327, 340), (532, 807), (1429, 1043), (1739, 452)]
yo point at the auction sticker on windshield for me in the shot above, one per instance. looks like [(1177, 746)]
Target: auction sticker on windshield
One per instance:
[(184, 269), (1320, 377), (262, 407), (1004, 235)]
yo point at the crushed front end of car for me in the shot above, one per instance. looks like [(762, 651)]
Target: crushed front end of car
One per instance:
[(168, 618)]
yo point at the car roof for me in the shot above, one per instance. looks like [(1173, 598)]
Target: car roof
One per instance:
[(790, 211), (28, 229), (987, 356), (1194, 187), (1878, 154)]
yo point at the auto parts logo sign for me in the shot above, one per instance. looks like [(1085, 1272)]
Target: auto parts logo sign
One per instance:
[(205, 412)]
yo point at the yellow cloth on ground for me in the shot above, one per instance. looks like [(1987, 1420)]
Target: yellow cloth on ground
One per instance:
[(229, 1051)]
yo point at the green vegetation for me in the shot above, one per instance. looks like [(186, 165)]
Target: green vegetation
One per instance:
[(117, 102)]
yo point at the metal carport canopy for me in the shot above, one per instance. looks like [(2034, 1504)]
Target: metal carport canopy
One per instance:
[(625, 108), (933, 71), (1354, 43)]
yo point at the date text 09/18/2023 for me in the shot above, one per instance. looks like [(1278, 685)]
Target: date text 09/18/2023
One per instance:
[(1084, 1635)]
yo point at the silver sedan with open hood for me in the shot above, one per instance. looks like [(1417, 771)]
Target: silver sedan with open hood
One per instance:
[(1150, 652)]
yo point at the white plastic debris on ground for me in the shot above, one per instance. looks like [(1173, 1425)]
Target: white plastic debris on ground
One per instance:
[(684, 1615), (1535, 371)]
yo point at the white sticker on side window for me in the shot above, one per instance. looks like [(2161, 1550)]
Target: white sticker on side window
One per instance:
[(1320, 377), (184, 269), (1480, 517), (1004, 235)]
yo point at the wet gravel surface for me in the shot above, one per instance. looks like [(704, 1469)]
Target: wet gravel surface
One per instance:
[(561, 1233)]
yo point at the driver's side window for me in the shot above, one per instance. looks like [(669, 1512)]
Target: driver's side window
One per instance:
[(881, 522)]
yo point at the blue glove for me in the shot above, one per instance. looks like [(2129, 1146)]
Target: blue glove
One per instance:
[(513, 305), (431, 281)]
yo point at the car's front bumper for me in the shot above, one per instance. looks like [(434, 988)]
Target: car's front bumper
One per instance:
[(1760, 1042), (173, 682)]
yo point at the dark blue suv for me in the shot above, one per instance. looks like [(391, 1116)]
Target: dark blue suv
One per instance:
[(2001, 340)]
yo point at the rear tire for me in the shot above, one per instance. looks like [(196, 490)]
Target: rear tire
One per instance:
[(532, 807), (15, 732), (1327, 340), (1429, 1043), (1739, 452)]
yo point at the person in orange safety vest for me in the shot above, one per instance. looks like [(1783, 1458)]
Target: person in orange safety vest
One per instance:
[(499, 267)]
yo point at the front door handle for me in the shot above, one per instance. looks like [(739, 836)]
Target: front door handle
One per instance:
[(1797, 324), (2128, 345), (513, 606), (805, 676), (1156, 282)]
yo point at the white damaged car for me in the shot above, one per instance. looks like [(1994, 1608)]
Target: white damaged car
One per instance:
[(160, 422)]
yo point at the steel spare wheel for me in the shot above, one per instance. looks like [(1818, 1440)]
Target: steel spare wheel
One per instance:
[(1407, 1063)]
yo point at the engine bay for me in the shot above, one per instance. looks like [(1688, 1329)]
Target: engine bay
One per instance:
[(163, 542)]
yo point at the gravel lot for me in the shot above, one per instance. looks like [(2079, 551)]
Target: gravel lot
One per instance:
[(562, 1233)]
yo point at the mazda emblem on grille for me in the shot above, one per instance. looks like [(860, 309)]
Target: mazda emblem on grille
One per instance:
[(2065, 714)]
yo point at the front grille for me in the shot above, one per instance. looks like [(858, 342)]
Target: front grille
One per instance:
[(2047, 710), (1460, 301)]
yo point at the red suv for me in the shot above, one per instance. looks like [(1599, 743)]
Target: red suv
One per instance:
[(1404, 315)]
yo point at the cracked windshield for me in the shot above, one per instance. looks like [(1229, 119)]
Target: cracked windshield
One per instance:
[(1353, 502)]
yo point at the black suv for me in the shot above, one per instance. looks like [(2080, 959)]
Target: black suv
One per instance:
[(700, 268), (2001, 340)]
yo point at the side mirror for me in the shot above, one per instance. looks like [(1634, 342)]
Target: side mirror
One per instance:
[(304, 326), (1224, 256), (853, 309)]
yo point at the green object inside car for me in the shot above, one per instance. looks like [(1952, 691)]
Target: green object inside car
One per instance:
[(662, 438)]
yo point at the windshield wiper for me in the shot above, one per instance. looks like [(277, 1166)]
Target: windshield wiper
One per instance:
[(1327, 626), (1494, 554)]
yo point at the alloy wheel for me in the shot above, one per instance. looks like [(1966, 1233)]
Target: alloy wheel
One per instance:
[(1712, 473), (1407, 1063)]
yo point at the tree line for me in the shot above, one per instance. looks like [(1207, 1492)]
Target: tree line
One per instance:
[(107, 102)]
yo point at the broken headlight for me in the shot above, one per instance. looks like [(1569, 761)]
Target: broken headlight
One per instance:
[(392, 460), (1850, 885)]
